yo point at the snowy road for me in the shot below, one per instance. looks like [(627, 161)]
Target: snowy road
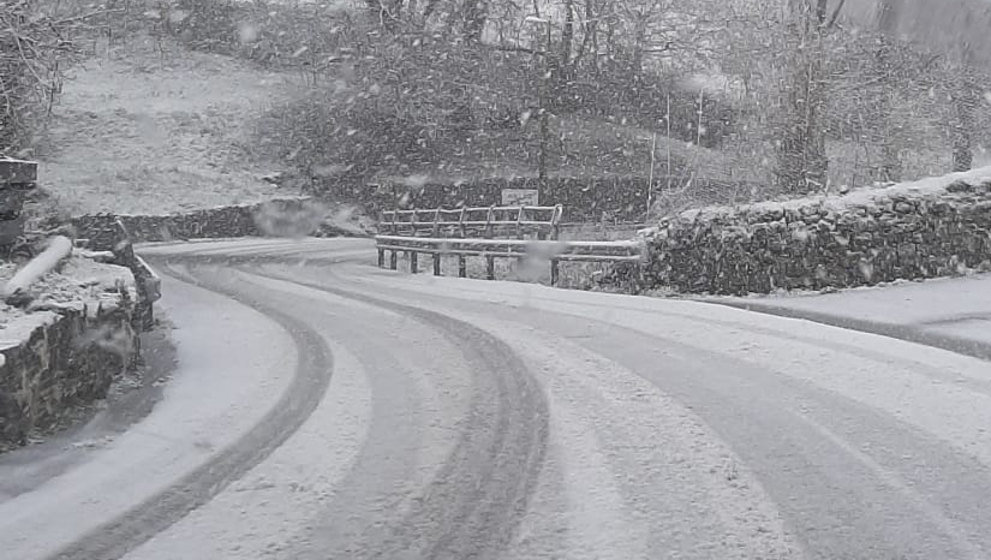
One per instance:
[(418, 417)]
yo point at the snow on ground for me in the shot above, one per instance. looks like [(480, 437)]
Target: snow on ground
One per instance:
[(233, 364), (598, 408), (286, 491), (958, 307), (77, 282), (153, 131), (867, 373)]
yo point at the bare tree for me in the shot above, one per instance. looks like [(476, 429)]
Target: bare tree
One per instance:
[(35, 47), (965, 100), (802, 160), (891, 168)]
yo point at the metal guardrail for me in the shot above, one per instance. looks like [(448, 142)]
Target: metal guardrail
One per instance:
[(517, 221)]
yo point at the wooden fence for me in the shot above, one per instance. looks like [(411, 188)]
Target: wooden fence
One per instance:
[(519, 232)]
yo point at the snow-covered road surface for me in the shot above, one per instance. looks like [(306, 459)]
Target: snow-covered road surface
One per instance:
[(471, 419), (950, 313)]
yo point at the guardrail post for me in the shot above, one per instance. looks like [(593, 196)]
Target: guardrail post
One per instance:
[(381, 253), (463, 229), (436, 264), (489, 260), (554, 271), (394, 260), (519, 232), (412, 262), (489, 217)]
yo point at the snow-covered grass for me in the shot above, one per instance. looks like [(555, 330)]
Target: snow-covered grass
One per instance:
[(150, 130)]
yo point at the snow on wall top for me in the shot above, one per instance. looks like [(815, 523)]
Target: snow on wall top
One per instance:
[(80, 283), (930, 187)]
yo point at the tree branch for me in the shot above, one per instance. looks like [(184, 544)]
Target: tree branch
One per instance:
[(836, 14)]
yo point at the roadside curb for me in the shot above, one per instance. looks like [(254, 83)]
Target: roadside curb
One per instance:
[(908, 333)]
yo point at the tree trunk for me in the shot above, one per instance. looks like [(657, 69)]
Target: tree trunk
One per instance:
[(964, 105), (567, 32), (891, 167), (802, 161)]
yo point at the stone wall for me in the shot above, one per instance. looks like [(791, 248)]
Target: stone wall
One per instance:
[(213, 223), (931, 228), (17, 179), (68, 360), (584, 199)]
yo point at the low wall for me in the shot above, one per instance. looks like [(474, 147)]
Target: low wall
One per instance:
[(69, 359), (931, 228), (584, 200), (211, 223)]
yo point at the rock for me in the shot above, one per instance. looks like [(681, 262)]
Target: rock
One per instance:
[(959, 186), (274, 178), (19, 298)]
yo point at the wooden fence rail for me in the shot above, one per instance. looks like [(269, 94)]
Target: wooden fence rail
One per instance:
[(487, 222), (409, 233)]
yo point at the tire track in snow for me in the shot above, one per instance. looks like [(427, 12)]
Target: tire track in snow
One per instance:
[(474, 506), (307, 388)]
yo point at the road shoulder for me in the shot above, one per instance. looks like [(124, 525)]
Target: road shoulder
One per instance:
[(226, 381), (952, 313)]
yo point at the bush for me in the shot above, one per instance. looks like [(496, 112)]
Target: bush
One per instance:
[(343, 138), (307, 37), (35, 45)]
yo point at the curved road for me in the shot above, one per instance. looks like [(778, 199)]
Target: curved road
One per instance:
[(445, 418)]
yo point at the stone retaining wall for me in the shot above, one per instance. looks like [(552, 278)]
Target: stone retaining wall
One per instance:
[(213, 223), (936, 227), (68, 360)]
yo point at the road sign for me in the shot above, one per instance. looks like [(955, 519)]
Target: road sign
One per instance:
[(519, 197)]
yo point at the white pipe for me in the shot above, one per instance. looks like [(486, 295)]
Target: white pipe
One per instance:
[(59, 247)]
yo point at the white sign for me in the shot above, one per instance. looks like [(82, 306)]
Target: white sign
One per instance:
[(519, 197)]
